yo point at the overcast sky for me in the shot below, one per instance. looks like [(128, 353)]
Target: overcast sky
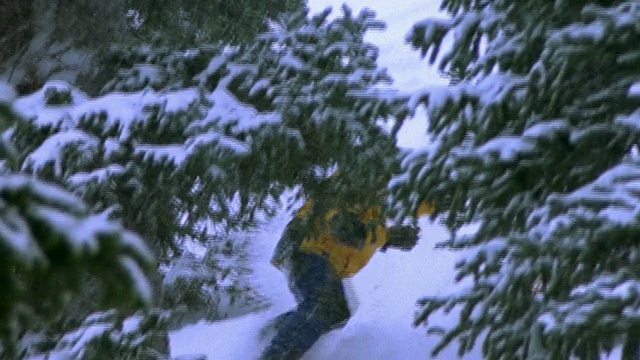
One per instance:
[(405, 66)]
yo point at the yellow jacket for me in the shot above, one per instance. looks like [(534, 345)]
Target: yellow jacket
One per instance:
[(348, 260)]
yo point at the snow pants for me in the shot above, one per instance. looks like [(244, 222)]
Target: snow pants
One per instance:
[(322, 307)]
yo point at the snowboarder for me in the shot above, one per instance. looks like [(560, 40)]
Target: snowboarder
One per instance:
[(316, 258)]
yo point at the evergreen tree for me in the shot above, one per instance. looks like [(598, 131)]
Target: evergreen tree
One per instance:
[(72, 40), (536, 143), (151, 157), (322, 80), (49, 241), (190, 146)]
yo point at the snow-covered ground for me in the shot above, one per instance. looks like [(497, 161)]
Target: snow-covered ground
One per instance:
[(386, 290)]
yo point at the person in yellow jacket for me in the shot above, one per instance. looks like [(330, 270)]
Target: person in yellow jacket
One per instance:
[(316, 258)]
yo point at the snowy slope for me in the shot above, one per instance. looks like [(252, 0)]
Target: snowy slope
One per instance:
[(386, 288)]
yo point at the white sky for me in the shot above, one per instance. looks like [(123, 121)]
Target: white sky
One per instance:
[(404, 64)]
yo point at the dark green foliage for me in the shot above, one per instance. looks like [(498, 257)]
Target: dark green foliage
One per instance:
[(134, 164), (403, 237), (43, 40), (49, 241), (187, 146), (196, 21), (319, 77), (102, 156), (53, 96), (161, 68), (535, 143), (136, 337)]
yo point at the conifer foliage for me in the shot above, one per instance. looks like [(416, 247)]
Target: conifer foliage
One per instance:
[(186, 146), (322, 80), (535, 142), (49, 242)]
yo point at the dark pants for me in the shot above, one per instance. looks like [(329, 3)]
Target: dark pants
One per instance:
[(322, 307)]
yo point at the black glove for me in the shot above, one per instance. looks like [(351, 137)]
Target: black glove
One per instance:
[(403, 237)]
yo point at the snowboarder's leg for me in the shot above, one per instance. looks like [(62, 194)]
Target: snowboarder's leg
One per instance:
[(323, 307), (319, 291), (297, 333), (274, 324)]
